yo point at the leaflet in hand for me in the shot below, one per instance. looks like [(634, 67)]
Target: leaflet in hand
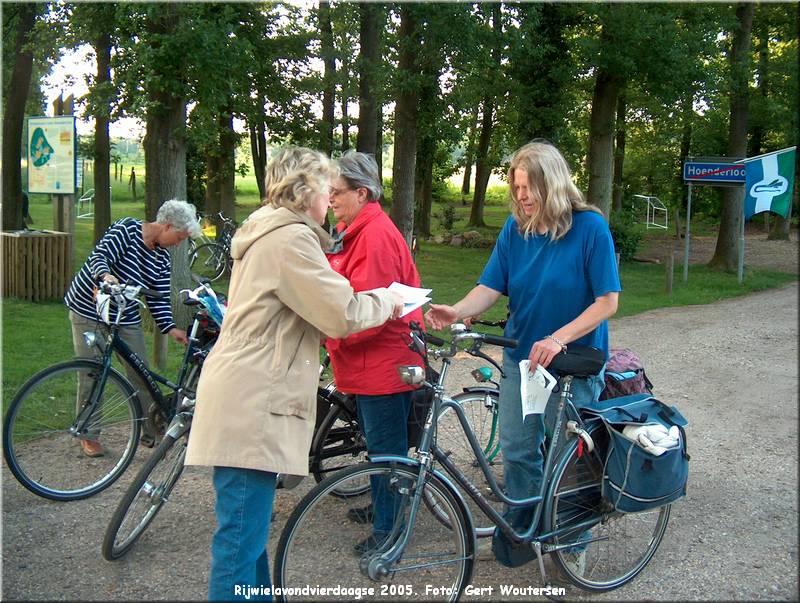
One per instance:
[(413, 297), (535, 388)]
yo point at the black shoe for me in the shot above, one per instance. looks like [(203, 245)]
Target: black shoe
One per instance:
[(361, 515), (147, 440), (369, 544)]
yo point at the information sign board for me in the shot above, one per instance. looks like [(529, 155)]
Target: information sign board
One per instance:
[(51, 155)]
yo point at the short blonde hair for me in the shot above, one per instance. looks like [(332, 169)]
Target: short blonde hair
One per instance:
[(295, 176), (551, 185)]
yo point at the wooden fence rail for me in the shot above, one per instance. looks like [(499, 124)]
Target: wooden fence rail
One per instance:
[(36, 264)]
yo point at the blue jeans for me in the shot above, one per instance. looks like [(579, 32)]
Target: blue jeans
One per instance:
[(238, 549), (384, 420), (521, 440)]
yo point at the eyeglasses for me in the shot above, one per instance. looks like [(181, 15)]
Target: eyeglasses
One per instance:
[(335, 192)]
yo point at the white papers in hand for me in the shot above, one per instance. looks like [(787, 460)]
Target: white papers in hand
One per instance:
[(535, 388), (413, 297)]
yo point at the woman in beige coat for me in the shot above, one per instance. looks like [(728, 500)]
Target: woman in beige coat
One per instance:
[(256, 396)]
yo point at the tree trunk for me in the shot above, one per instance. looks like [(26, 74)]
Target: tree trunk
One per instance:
[(424, 184), (726, 253), (405, 127), (619, 152), (780, 226), (345, 123), (329, 84), (600, 161), (427, 199), (379, 143), (470, 156), (482, 167), (165, 165), (368, 105), (213, 204), (757, 135), (258, 149), (14, 119), (227, 163), (102, 142)]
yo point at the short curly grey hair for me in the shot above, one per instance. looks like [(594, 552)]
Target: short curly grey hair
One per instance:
[(181, 215)]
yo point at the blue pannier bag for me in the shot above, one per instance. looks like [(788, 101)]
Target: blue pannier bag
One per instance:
[(633, 478)]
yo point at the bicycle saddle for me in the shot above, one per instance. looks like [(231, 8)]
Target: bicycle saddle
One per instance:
[(578, 361)]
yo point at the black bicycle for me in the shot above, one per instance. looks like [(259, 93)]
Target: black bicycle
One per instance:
[(212, 259), (90, 399)]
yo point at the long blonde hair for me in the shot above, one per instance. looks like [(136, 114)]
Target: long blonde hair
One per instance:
[(552, 188)]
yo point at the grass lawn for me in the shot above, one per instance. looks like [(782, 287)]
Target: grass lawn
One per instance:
[(36, 335)]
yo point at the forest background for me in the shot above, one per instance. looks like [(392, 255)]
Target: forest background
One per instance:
[(440, 93)]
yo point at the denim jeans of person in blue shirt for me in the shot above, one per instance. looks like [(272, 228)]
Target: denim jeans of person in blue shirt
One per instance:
[(521, 440), (239, 546), (384, 421)]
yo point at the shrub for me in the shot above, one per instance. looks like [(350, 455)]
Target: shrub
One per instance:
[(447, 217), (625, 234)]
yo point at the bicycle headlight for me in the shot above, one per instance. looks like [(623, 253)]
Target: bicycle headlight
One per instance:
[(411, 374), (90, 339)]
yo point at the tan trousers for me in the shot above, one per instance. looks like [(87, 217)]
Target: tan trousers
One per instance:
[(133, 336)]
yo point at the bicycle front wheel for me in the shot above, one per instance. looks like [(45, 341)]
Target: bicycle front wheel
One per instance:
[(316, 547), (611, 548), (144, 498), (480, 409), (40, 447), (208, 261)]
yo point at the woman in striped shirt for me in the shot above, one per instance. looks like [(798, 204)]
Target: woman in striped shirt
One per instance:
[(134, 252)]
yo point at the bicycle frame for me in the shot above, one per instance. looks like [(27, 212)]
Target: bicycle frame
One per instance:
[(390, 553), (114, 343)]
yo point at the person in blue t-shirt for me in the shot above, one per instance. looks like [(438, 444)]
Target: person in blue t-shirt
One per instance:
[(554, 259)]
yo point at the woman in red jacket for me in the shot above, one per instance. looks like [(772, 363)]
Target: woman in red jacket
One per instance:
[(372, 253)]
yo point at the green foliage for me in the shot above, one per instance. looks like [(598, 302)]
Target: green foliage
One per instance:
[(626, 235), (447, 216)]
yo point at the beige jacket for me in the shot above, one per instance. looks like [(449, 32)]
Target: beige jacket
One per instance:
[(256, 399)]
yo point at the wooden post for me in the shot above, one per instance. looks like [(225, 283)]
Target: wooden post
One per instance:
[(64, 205), (669, 266)]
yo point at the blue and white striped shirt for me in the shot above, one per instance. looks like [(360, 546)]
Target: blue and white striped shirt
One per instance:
[(122, 252)]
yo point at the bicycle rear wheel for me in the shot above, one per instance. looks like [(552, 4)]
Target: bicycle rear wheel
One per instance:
[(338, 444), (316, 546), (40, 447), (480, 409), (208, 261), (614, 547), (144, 498)]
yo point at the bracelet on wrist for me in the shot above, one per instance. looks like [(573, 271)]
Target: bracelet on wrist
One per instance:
[(558, 341)]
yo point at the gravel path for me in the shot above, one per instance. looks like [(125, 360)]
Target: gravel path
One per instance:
[(731, 368)]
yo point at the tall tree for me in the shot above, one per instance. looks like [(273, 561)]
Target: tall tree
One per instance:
[(619, 153), (328, 55), (96, 24), (405, 124), (370, 17), (14, 114), (483, 167), (726, 252)]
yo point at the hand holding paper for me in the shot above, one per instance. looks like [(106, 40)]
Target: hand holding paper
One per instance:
[(535, 388), (413, 297)]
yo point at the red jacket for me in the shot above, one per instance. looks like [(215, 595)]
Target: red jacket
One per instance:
[(374, 255)]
